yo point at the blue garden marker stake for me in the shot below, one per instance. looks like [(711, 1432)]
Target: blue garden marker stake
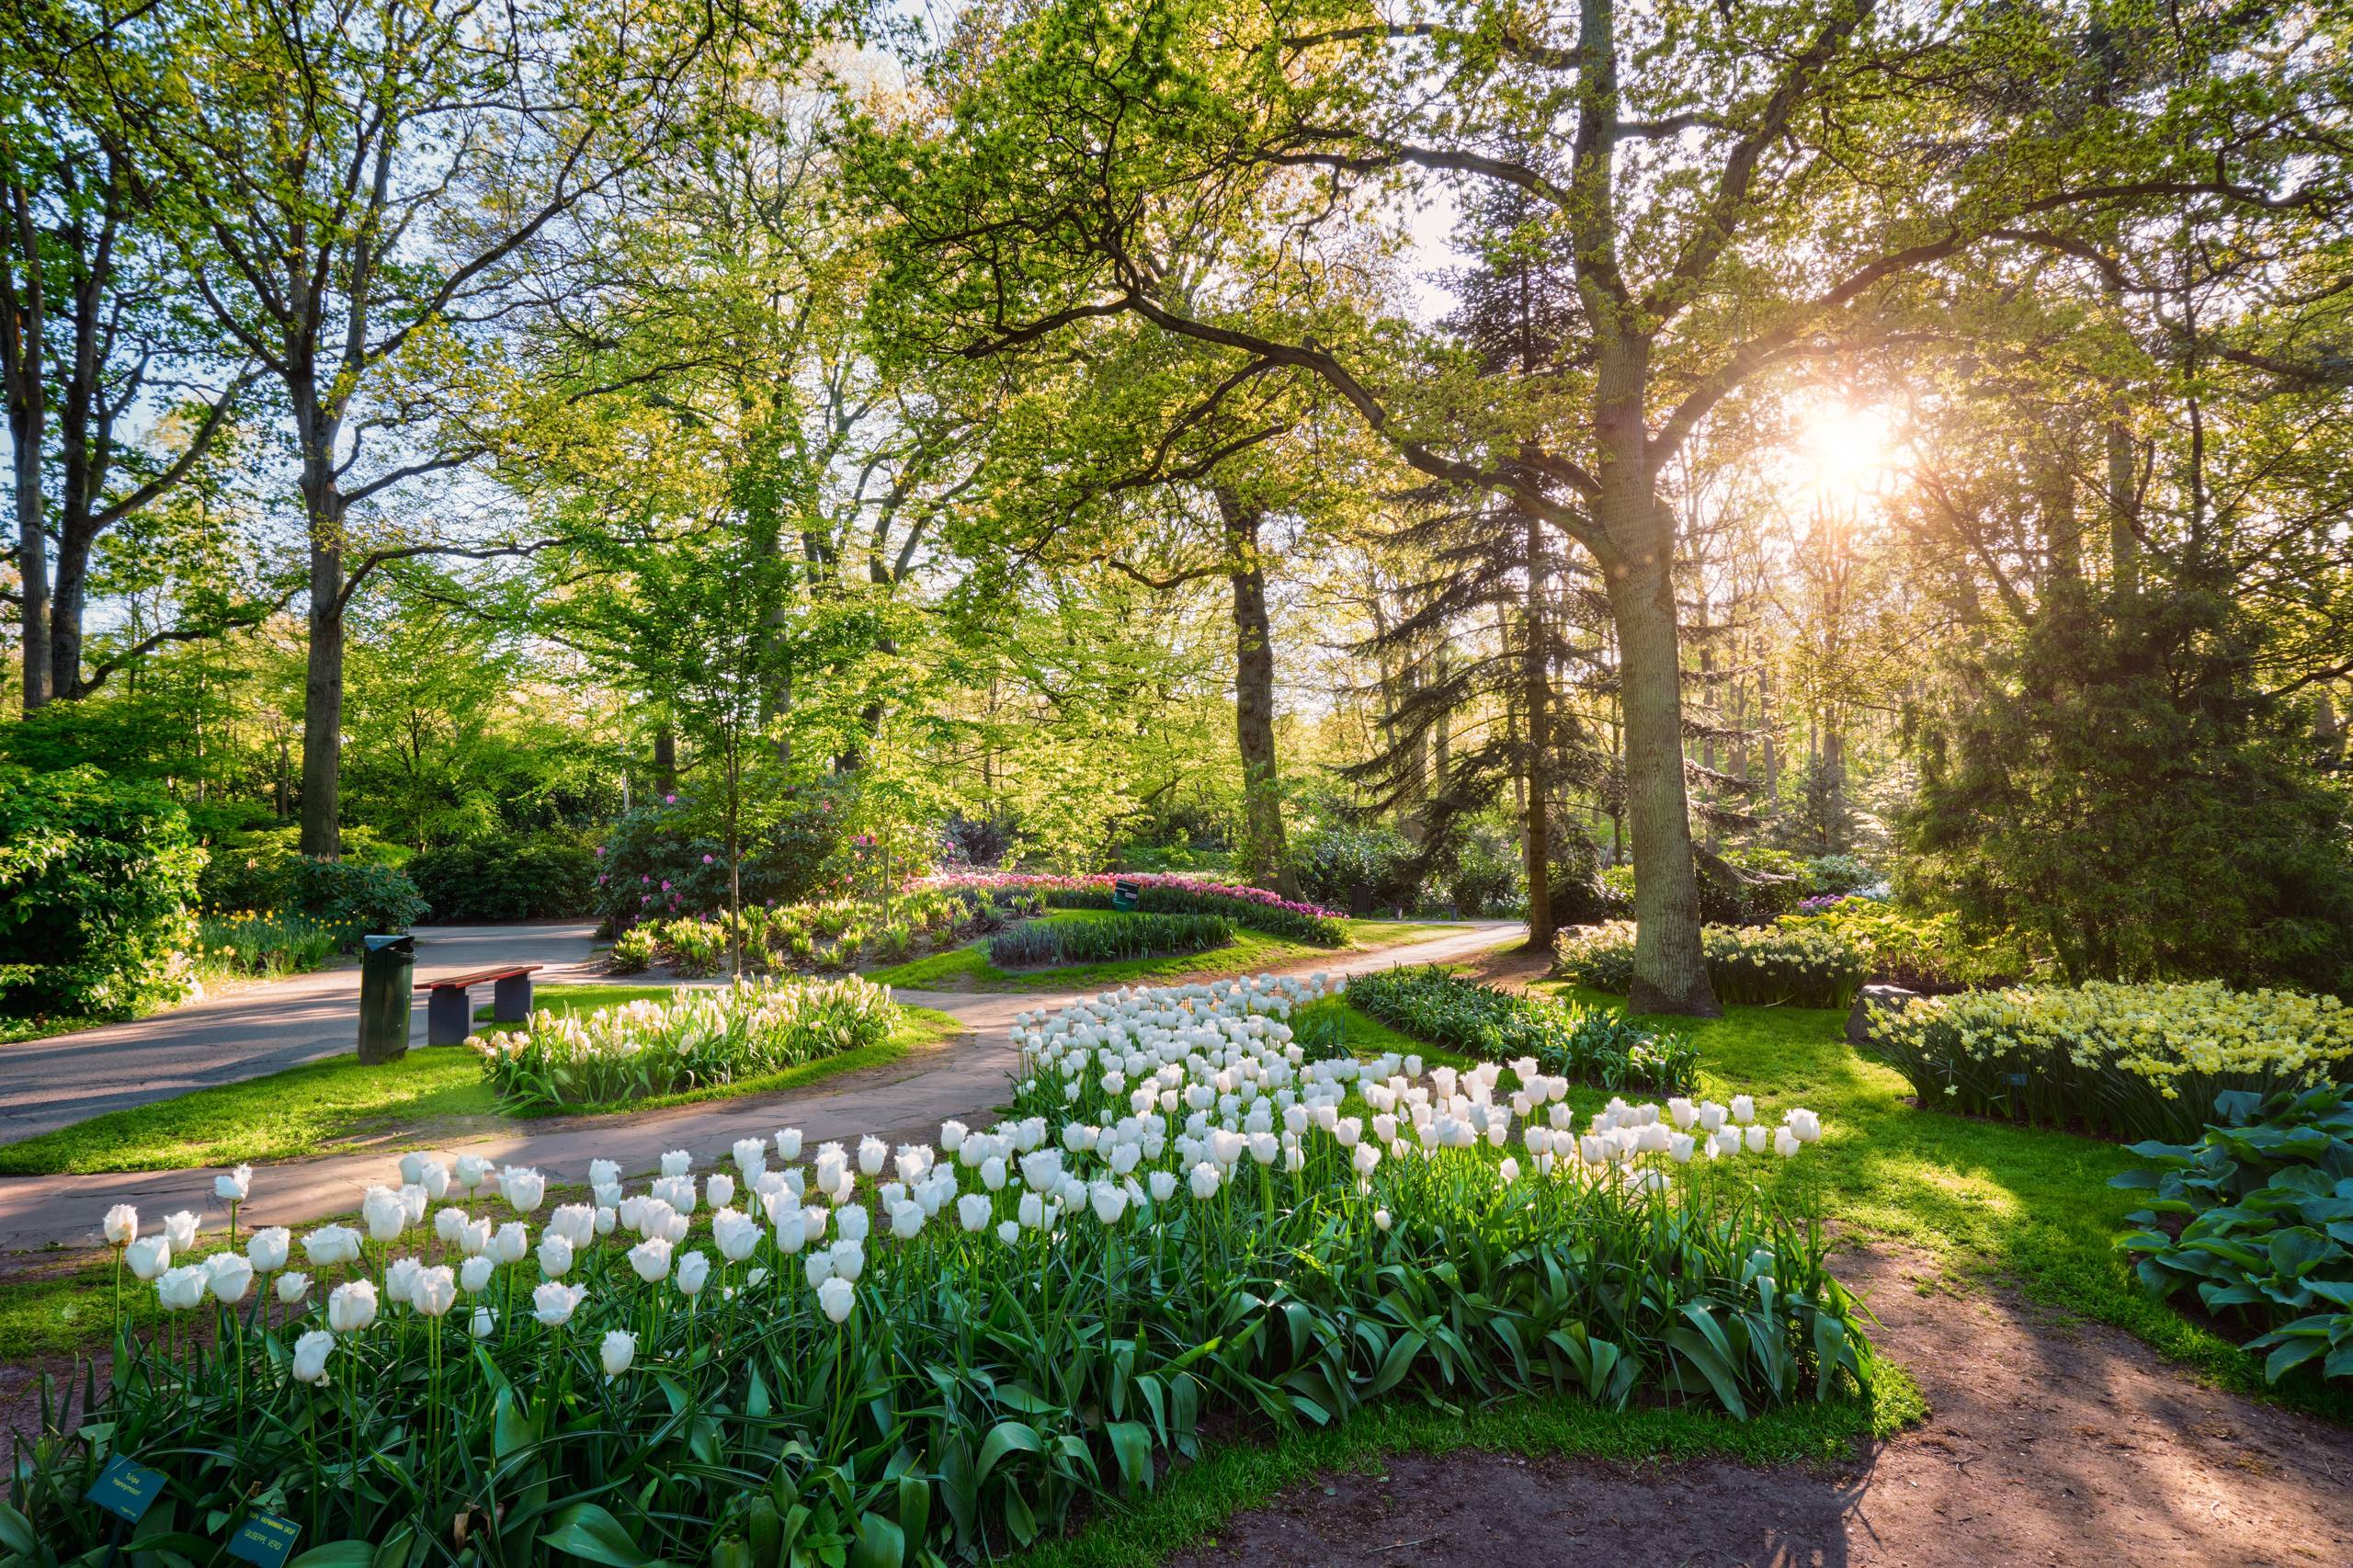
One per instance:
[(264, 1540), (126, 1490)]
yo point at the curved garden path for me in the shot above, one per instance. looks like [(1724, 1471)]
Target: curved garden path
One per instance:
[(246, 1031), (966, 1076)]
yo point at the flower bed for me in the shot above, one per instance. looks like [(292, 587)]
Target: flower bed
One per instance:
[(1255, 907), (2264, 1203), (2126, 1060), (1107, 938), (800, 937), (1183, 1219), (699, 1038), (257, 943), (1583, 1044), (1792, 964)]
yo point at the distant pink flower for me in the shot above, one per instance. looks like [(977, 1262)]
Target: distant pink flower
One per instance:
[(642, 879), (665, 885), (669, 800), (706, 859), (600, 852)]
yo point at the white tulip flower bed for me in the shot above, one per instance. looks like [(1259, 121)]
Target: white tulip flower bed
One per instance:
[(941, 1349)]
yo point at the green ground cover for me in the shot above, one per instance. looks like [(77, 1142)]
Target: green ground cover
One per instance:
[(310, 1109)]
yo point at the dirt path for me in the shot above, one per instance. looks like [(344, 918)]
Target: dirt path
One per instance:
[(2050, 1442)]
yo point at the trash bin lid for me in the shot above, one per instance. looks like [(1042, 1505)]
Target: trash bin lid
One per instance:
[(403, 943)]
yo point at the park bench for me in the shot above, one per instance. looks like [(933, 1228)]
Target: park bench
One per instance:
[(450, 1016)]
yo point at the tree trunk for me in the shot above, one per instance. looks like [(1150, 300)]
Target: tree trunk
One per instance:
[(1535, 698), (1669, 975), (665, 760), (32, 552), (1266, 858), (321, 831), (66, 602)]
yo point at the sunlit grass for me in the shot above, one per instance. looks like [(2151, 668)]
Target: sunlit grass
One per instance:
[(968, 967)]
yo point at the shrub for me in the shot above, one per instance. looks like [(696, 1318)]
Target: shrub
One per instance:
[(695, 1041), (2127, 1061), (1107, 938), (768, 1410), (1484, 875), (1568, 1040), (1339, 865), (254, 869), (96, 880), (1835, 874), (351, 898), (503, 878), (2260, 1204), (668, 858)]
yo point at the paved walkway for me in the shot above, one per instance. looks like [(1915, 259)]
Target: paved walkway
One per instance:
[(967, 1078), (248, 1030)]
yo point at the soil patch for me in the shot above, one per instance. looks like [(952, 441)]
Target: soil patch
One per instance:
[(2051, 1441)]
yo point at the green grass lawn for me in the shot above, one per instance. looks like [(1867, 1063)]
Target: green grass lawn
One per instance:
[(968, 967), (310, 1109)]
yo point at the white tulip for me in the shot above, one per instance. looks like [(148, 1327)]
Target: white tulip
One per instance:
[(231, 1186), (694, 1273), (555, 1256), (400, 1278), (852, 1223), (512, 1243), (849, 1260), (524, 1188), (618, 1350), (292, 1287), (651, 1259), (791, 1232), (435, 1290), (121, 1225), (383, 1214), (310, 1354), (819, 1266), (1744, 1108), (678, 1163), (872, 1152), (148, 1257), (1008, 1230), (180, 1231), (1754, 1135), (476, 1273), (788, 1145), (351, 1306), (554, 1302), (268, 1249), (737, 1236), (183, 1289), (836, 1296), (973, 1211), (483, 1324), (719, 1189), (1380, 1221)]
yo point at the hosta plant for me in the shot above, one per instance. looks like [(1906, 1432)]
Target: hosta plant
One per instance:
[(2126, 1060), (694, 1041), (1586, 1044), (940, 1351), (2257, 1218)]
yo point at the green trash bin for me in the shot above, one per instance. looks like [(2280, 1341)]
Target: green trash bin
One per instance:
[(385, 965)]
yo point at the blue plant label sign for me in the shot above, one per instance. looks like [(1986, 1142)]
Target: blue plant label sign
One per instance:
[(264, 1540), (127, 1490)]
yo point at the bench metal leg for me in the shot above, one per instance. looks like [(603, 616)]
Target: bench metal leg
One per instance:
[(510, 999), (449, 1016)]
